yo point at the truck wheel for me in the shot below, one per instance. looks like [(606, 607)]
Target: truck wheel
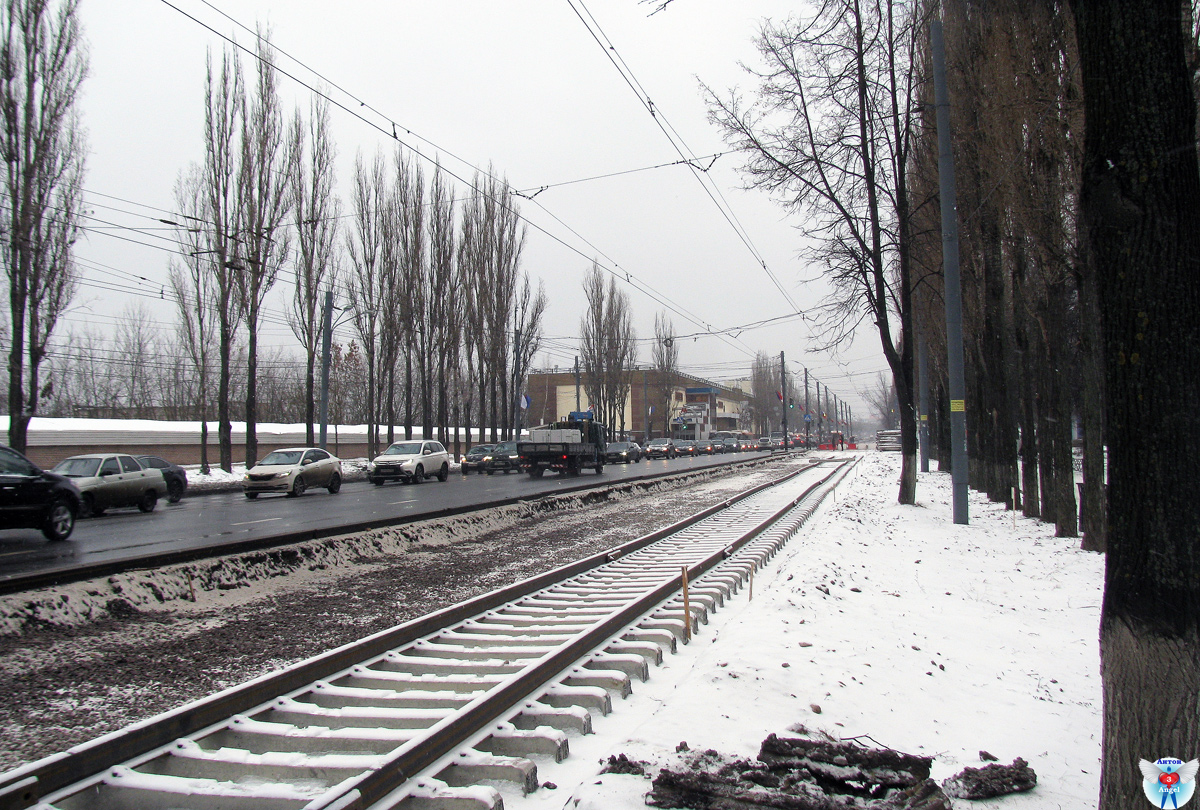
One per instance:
[(599, 467), (535, 471)]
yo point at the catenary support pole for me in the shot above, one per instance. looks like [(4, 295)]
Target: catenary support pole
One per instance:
[(783, 399), (577, 383), (326, 341), (807, 415), (952, 280)]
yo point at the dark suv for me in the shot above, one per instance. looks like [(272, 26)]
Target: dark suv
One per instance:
[(31, 498), (503, 457)]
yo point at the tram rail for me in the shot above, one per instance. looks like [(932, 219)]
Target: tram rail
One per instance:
[(414, 716)]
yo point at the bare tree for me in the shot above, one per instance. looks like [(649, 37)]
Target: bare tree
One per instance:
[(1140, 204), (264, 198), (445, 318), (830, 134), (408, 293), (607, 345), (315, 213), (223, 106), (365, 245), (193, 287), (43, 62), (529, 307), (666, 365)]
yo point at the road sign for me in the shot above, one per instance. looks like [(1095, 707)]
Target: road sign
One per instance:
[(808, 417)]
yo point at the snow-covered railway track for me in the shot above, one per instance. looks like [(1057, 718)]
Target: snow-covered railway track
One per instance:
[(417, 716)]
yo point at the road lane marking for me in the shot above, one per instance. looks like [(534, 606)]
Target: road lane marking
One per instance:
[(397, 503), (249, 522)]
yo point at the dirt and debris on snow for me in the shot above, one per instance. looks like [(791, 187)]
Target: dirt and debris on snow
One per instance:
[(991, 781), (85, 659)]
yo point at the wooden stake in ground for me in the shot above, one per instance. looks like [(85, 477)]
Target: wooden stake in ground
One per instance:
[(751, 584), (687, 609)]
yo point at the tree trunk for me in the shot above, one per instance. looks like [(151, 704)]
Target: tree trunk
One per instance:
[(1095, 520), (1141, 204)]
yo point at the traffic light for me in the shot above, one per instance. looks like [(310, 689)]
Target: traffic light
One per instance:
[(791, 402)]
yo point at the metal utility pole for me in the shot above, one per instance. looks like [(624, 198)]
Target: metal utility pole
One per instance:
[(326, 340), (783, 399), (645, 411), (807, 415), (820, 414), (952, 280), (577, 383)]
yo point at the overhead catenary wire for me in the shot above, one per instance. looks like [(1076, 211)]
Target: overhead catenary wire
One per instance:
[(625, 275)]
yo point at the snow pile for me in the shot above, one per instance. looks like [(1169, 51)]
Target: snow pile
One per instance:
[(886, 624), (93, 600)]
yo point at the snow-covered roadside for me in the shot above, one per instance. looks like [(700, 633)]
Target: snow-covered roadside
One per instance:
[(886, 621)]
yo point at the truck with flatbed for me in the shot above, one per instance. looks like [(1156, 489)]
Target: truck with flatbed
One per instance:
[(567, 447)]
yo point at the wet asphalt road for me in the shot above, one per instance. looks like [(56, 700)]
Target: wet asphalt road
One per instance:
[(205, 520)]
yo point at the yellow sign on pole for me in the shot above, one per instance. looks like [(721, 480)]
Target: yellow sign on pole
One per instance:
[(958, 406)]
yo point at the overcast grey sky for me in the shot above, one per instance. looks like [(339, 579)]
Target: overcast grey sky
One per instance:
[(520, 84)]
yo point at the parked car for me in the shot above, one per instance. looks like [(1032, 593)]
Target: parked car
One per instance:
[(292, 471), (173, 474), (473, 460), (411, 461), (661, 448), (31, 498), (504, 457), (622, 452), (109, 480), (687, 447)]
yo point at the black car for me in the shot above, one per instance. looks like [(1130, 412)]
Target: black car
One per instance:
[(687, 447), (660, 448), (31, 498), (473, 460), (173, 474), (622, 452), (502, 458), (732, 446)]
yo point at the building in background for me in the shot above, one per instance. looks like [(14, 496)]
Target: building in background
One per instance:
[(697, 407)]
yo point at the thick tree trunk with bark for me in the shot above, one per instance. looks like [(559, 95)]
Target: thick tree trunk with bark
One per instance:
[(1141, 206)]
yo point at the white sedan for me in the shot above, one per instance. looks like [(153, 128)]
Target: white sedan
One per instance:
[(292, 471)]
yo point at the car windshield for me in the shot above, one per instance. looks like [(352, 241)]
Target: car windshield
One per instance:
[(479, 449), (618, 446), (506, 447), (404, 449), (77, 467), (685, 444), (282, 457), (658, 443)]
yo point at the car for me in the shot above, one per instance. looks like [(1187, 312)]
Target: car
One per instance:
[(411, 461), (732, 446), (661, 448), (293, 471), (641, 451), (622, 452), (504, 458), (473, 460), (110, 480), (705, 446), (31, 498), (173, 474), (763, 443), (687, 447)]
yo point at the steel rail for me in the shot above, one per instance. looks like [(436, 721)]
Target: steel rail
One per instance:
[(62, 576), (29, 784)]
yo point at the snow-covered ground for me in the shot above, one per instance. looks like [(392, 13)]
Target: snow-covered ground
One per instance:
[(889, 624)]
